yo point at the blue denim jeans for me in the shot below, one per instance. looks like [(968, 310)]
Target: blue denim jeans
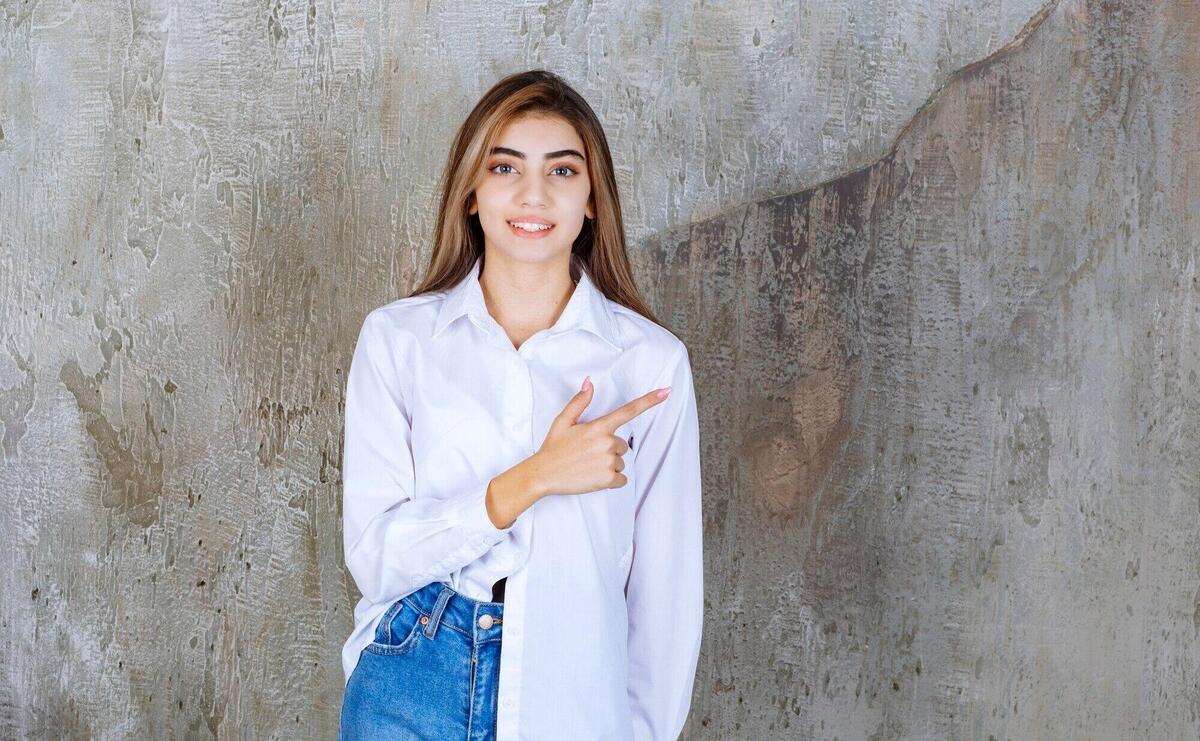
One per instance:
[(432, 671)]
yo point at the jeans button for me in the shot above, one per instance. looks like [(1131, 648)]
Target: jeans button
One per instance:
[(485, 621)]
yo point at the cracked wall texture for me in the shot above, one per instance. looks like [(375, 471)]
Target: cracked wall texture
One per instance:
[(937, 265)]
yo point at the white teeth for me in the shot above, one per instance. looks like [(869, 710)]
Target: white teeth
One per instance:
[(531, 227)]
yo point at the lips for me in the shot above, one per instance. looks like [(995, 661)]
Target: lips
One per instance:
[(530, 219), (530, 233)]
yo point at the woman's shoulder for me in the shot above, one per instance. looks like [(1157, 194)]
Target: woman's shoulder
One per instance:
[(653, 356), (644, 338), (413, 315)]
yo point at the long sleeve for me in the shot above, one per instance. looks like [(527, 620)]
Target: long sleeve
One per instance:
[(665, 591), (395, 544)]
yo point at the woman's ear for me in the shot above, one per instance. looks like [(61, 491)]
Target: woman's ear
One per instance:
[(471, 207)]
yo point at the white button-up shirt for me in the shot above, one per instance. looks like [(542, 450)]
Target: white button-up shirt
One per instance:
[(603, 607)]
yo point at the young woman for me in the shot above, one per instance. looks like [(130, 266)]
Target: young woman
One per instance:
[(521, 471)]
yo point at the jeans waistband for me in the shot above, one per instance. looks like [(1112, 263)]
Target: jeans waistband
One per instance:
[(442, 603)]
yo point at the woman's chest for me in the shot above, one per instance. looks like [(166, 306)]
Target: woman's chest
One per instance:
[(475, 418), (497, 404)]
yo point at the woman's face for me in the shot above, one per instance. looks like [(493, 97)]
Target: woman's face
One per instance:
[(535, 176)]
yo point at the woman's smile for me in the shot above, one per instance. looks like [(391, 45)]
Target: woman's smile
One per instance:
[(530, 230)]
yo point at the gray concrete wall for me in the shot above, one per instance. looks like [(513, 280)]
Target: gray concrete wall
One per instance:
[(937, 265)]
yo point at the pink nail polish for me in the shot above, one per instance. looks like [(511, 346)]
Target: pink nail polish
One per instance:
[(586, 383), (662, 392)]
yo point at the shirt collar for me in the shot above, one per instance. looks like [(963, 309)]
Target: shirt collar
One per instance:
[(588, 308)]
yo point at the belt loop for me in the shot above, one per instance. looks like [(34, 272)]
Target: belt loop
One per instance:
[(436, 616)]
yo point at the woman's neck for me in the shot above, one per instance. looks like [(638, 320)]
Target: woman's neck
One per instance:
[(525, 298)]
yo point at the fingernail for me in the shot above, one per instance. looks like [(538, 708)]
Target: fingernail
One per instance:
[(662, 392), (586, 383)]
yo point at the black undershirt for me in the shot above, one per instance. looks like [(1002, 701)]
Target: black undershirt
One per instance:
[(498, 590)]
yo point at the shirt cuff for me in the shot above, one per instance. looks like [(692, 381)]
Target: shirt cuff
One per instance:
[(477, 521)]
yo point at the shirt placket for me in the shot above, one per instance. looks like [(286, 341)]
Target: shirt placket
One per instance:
[(518, 425)]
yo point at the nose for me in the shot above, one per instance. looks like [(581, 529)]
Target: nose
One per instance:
[(532, 192)]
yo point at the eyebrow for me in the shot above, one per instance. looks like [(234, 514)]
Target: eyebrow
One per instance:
[(549, 155)]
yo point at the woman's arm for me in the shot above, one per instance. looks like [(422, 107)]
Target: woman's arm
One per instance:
[(394, 544), (665, 591)]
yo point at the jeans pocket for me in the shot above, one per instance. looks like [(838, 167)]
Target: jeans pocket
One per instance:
[(398, 632)]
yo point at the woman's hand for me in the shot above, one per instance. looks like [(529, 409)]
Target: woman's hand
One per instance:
[(575, 457)]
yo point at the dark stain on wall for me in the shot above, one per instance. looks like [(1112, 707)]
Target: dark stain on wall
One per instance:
[(939, 394)]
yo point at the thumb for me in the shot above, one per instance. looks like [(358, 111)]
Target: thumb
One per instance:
[(574, 408)]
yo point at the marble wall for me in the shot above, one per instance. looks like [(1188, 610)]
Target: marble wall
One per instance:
[(936, 263)]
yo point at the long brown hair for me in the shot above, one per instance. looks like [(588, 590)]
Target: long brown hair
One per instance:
[(458, 240)]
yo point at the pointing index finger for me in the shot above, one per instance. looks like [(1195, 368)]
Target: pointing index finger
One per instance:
[(629, 410)]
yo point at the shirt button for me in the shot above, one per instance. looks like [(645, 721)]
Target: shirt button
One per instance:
[(508, 703), (485, 621)]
